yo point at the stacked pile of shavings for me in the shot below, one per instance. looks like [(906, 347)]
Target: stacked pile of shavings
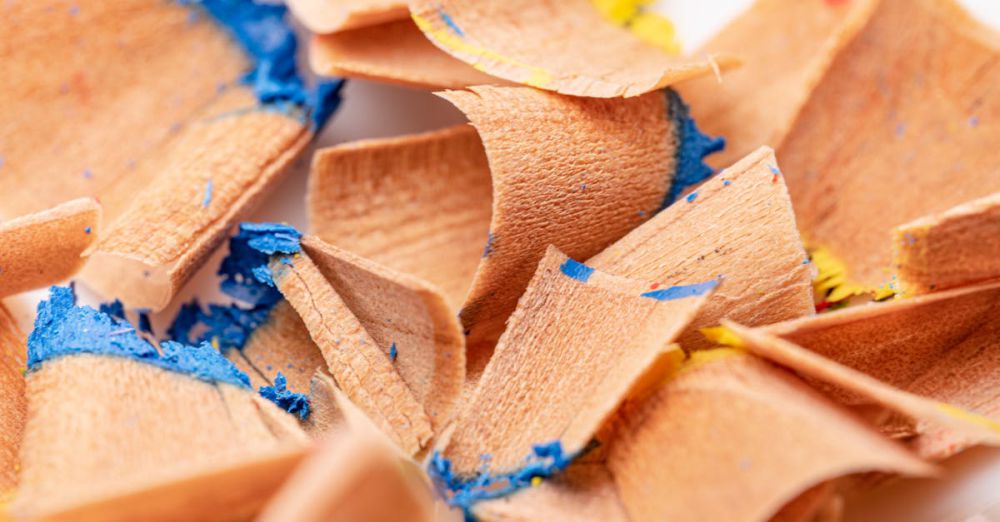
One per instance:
[(578, 306)]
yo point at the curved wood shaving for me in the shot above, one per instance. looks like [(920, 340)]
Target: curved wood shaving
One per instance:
[(331, 16), (12, 404)]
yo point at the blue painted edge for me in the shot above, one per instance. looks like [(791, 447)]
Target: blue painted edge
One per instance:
[(294, 403), (692, 147), (544, 461), (682, 291), (263, 31), (576, 270), (62, 328)]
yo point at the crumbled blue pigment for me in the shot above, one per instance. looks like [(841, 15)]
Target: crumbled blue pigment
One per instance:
[(692, 147), (576, 270), (545, 461), (221, 326), (62, 328), (682, 291), (115, 309), (294, 403), (393, 353), (264, 33)]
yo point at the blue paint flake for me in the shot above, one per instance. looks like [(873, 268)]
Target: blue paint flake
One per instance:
[(691, 197), (294, 403), (450, 22), (208, 194), (64, 329), (393, 353), (545, 461), (488, 249), (87, 174), (264, 33), (576, 270), (973, 121), (682, 291), (86, 230), (726, 183), (774, 170), (692, 147)]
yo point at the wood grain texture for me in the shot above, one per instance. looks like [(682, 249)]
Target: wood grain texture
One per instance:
[(12, 401), (954, 248), (576, 173), (740, 228), (899, 126), (785, 46), (47, 247), (394, 52), (564, 46), (940, 346), (171, 226), (420, 204), (331, 16), (94, 87), (730, 426), (572, 352), (358, 364), (101, 427)]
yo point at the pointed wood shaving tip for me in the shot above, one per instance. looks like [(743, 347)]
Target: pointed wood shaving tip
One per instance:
[(584, 341), (331, 16), (12, 402), (92, 377), (47, 247), (739, 227), (851, 156), (785, 46), (359, 365), (954, 248), (617, 179), (567, 46), (419, 204), (729, 425), (394, 52), (936, 346)]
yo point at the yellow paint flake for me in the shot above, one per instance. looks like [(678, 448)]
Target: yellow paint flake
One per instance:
[(968, 416), (722, 336), (832, 277), (536, 481), (651, 28)]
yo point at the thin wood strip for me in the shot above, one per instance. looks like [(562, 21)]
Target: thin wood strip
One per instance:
[(785, 45), (331, 16), (419, 204), (358, 364), (121, 77), (730, 426), (394, 52), (955, 248), (104, 426), (938, 346), (564, 46), (738, 227), (930, 117), (214, 173), (405, 317), (578, 344), (12, 401), (47, 247)]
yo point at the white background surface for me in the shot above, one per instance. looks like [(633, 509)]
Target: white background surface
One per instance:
[(968, 490)]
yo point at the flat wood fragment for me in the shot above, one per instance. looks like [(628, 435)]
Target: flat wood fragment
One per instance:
[(394, 52), (739, 228), (239, 150), (47, 247), (121, 77), (785, 46), (877, 146), (12, 401), (102, 429), (729, 426), (954, 248), (359, 366), (563, 46), (938, 346), (578, 344), (331, 16), (407, 319), (420, 204)]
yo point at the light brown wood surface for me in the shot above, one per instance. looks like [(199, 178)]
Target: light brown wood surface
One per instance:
[(47, 247), (330, 16), (12, 402), (529, 42), (740, 229), (901, 125), (954, 248)]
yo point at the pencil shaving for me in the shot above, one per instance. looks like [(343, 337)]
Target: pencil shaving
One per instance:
[(331, 16)]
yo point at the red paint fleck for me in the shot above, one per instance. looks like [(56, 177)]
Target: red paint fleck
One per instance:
[(654, 286), (823, 305)]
